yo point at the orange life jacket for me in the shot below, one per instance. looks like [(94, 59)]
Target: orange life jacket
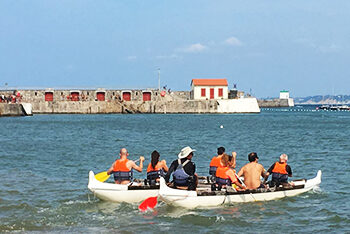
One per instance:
[(154, 173), (150, 168), (221, 177), (280, 168), (120, 165), (221, 172), (214, 164), (121, 172)]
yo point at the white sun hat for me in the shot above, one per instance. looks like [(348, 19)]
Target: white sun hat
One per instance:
[(284, 158), (185, 152)]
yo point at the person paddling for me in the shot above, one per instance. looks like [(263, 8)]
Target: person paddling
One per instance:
[(252, 172), (122, 169), (183, 170), (280, 171), (156, 168), (216, 161), (226, 175)]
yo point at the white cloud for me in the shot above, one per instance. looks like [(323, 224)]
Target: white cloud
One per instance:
[(306, 42), (69, 67), (131, 58), (172, 56), (233, 41), (194, 48), (332, 48), (199, 47)]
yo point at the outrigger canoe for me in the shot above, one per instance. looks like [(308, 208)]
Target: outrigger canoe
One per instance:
[(129, 193), (204, 197)]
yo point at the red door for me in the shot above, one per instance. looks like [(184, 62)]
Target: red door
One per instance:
[(101, 96), (202, 92), (48, 97), (146, 96), (221, 92), (126, 96), (75, 96), (211, 93)]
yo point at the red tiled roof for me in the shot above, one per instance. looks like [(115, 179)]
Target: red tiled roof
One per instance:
[(209, 82)]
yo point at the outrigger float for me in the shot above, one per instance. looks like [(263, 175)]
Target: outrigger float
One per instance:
[(133, 192), (204, 197), (128, 193)]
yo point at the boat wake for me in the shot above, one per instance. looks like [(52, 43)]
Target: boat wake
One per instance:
[(317, 189)]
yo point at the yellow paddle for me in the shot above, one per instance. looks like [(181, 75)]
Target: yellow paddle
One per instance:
[(102, 176)]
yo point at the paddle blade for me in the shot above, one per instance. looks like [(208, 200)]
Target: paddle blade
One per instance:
[(149, 203), (102, 176)]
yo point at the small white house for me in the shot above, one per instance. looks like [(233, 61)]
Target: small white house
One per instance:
[(202, 89), (284, 94)]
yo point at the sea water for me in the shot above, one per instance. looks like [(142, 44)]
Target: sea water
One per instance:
[(45, 160)]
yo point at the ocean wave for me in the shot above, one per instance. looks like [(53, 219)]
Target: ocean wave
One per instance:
[(71, 202)]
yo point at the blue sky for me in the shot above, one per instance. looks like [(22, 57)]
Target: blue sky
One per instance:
[(266, 46)]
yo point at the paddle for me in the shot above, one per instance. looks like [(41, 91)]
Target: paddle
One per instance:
[(239, 179), (149, 203), (103, 176)]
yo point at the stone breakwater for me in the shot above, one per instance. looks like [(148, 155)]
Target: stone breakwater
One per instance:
[(114, 101), (129, 101)]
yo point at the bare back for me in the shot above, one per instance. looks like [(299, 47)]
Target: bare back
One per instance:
[(252, 172)]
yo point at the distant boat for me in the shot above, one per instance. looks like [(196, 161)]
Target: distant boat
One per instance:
[(344, 107), (323, 107), (334, 108)]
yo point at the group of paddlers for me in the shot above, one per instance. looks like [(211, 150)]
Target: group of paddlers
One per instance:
[(221, 169)]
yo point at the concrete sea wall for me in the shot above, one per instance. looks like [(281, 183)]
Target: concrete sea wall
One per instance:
[(273, 103), (11, 109), (241, 105), (93, 107), (245, 105), (76, 107)]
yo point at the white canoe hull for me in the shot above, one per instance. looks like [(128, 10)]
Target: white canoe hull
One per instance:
[(190, 199), (118, 193)]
